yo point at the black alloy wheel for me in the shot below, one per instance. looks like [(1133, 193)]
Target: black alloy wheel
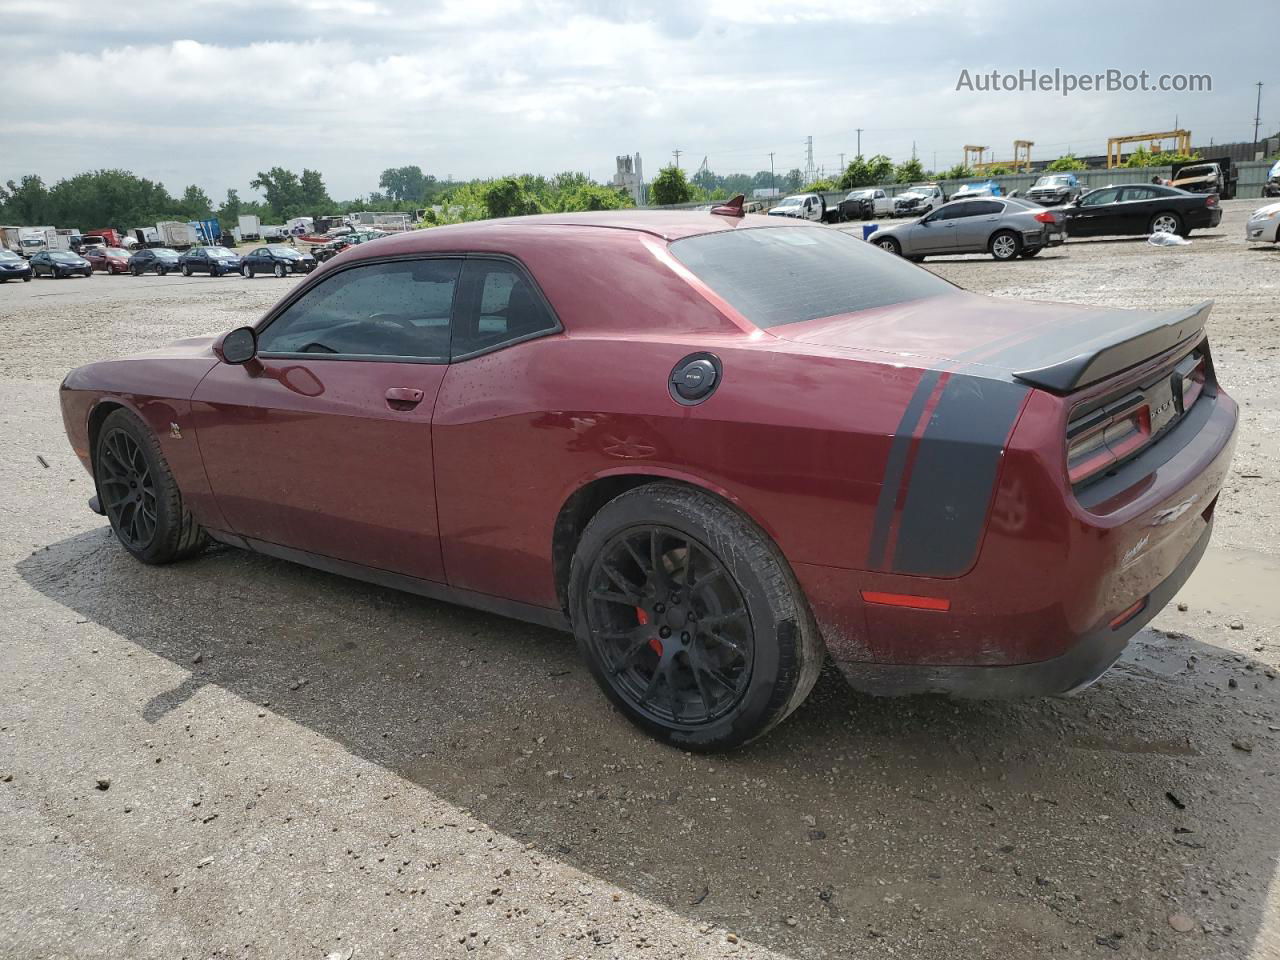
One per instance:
[(669, 625), (690, 618), (127, 489)]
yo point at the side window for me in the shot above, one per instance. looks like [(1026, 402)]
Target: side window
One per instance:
[(396, 309), (985, 208), (1100, 197), (1137, 193), (961, 210), (502, 306)]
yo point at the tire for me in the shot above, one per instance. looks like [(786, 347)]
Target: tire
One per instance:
[(161, 272), (753, 667), (1028, 254), (1167, 222), (918, 258), (134, 271), (186, 270), (891, 245), (26, 279), (1004, 245), (279, 271), (129, 470), (246, 271)]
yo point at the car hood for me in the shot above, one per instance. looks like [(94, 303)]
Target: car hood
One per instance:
[(986, 336), (1265, 211)]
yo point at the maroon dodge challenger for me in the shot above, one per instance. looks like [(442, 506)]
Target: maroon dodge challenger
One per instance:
[(715, 447)]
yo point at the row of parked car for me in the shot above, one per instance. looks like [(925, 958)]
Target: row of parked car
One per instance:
[(279, 261), (1011, 227)]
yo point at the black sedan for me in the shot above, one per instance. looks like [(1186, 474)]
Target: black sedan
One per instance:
[(155, 259), (1140, 208), (59, 264), (13, 267), (280, 261), (214, 261)]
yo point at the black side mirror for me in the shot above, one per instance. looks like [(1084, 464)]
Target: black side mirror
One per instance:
[(239, 346)]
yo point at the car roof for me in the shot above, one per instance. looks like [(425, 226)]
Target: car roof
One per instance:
[(665, 224)]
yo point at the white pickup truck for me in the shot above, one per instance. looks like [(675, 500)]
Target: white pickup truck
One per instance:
[(869, 202)]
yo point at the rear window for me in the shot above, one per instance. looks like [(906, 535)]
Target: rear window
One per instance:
[(785, 275)]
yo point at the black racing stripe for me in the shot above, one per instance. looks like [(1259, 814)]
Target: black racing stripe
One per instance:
[(954, 476), (896, 463)]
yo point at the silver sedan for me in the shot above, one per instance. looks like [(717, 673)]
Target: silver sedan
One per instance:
[(1264, 225), (1005, 227)]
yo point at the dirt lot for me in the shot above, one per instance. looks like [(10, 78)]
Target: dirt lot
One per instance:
[(237, 757)]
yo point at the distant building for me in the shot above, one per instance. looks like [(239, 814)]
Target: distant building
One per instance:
[(630, 177)]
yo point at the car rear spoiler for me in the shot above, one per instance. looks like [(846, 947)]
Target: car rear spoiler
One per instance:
[(1157, 333)]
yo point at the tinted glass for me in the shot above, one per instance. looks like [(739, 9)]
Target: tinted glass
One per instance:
[(776, 276), (398, 309), (1137, 193), (984, 208), (1101, 196), (504, 307)]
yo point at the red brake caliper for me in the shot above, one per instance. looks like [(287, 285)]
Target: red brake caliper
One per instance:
[(654, 643)]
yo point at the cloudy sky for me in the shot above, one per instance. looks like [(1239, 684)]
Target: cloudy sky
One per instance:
[(211, 92)]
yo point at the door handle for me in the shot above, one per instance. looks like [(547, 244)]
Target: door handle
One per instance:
[(410, 396)]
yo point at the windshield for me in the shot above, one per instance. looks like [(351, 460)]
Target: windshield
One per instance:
[(858, 194), (116, 252), (164, 252), (64, 257), (1197, 171), (779, 275), (285, 252), (790, 202), (1052, 182), (218, 252), (9, 255)]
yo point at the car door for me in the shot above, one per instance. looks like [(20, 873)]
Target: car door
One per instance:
[(935, 233), (1095, 214), (487, 433), (1134, 209), (324, 444), (975, 223)]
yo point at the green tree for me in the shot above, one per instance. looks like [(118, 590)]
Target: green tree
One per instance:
[(909, 171), (1066, 163), (26, 202), (820, 186), (792, 181), (282, 191), (406, 184), (229, 212), (866, 173), (592, 196), (998, 171), (669, 186), (508, 197), (958, 172), (313, 198), (195, 204)]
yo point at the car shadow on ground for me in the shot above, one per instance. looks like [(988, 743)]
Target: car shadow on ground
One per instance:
[(1006, 829)]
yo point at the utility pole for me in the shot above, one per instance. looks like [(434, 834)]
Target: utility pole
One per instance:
[(808, 159), (773, 177), (859, 141), (676, 154), (1257, 119), (842, 163)]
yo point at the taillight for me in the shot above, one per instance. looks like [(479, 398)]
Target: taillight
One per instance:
[(1100, 439), (1211, 200), (1189, 376), (1045, 216)]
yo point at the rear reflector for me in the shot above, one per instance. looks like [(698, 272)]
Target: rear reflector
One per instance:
[(906, 600), (1122, 618)]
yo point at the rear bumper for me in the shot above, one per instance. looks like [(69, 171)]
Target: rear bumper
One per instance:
[(1078, 667)]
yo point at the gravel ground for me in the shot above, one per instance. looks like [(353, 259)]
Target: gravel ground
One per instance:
[(237, 757)]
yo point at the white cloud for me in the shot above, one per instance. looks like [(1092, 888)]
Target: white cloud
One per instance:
[(482, 87)]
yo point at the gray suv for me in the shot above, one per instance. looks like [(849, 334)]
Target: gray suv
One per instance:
[(1005, 227)]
